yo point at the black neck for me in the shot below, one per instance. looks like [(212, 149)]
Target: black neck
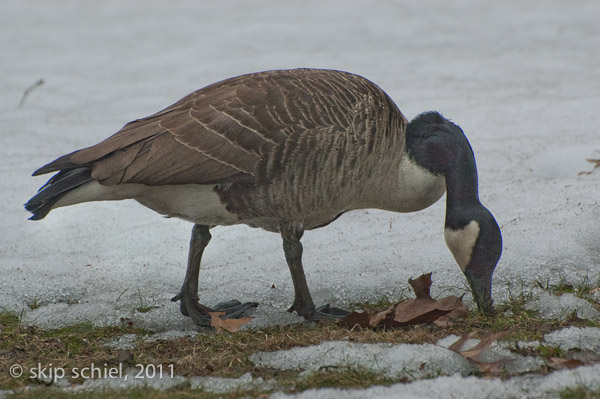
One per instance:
[(461, 192)]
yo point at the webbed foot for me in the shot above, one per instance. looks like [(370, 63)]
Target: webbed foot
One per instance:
[(322, 313), (199, 313)]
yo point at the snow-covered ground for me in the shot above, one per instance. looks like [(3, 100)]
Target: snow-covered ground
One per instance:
[(521, 77)]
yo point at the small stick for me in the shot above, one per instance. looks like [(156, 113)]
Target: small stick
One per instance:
[(29, 90)]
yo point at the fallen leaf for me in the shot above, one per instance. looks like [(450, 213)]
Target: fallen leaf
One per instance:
[(415, 311), (421, 286), (561, 363), (483, 344), (364, 319), (448, 319), (457, 346), (422, 310), (473, 354), (230, 325), (361, 319), (490, 368)]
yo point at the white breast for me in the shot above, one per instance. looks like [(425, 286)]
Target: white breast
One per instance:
[(411, 189)]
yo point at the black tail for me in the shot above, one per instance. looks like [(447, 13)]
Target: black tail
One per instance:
[(55, 188)]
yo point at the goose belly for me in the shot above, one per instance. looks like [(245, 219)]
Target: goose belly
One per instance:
[(193, 202)]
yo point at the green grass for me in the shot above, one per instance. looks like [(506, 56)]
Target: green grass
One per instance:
[(74, 346), (33, 305), (226, 355), (345, 378), (582, 289), (579, 393), (137, 393), (145, 309)]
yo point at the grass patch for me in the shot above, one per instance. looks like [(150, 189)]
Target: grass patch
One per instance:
[(579, 393), (226, 355), (74, 346), (137, 393), (145, 309), (343, 379), (33, 305), (583, 289)]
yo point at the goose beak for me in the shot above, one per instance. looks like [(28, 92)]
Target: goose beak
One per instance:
[(477, 247), (480, 281)]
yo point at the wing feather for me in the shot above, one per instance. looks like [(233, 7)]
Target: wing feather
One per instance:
[(223, 132)]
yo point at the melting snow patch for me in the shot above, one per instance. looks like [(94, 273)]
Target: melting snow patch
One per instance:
[(560, 307), (500, 351), (396, 361), (123, 342), (596, 295), (467, 387), (587, 339), (222, 385), (130, 379)]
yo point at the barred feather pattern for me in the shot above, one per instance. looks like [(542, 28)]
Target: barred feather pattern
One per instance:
[(300, 145)]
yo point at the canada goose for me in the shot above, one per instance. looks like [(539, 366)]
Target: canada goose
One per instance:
[(287, 151)]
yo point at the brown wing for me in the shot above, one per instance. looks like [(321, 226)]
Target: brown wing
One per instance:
[(221, 132)]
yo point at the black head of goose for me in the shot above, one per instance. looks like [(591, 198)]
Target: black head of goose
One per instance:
[(287, 151)]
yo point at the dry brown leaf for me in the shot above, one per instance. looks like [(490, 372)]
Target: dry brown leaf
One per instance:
[(376, 318), (457, 346), (560, 363), (364, 319), (421, 286), (484, 344), (448, 319), (230, 325), (490, 368), (422, 310), (361, 319), (472, 355), (415, 311)]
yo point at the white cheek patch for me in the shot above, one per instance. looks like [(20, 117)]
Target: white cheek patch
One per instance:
[(461, 242)]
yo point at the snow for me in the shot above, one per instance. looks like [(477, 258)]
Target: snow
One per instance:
[(222, 385), (562, 306), (469, 387), (395, 361), (585, 339), (520, 77)]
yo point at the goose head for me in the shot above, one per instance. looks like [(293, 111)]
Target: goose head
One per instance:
[(471, 232)]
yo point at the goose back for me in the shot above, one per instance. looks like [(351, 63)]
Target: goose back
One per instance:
[(290, 144)]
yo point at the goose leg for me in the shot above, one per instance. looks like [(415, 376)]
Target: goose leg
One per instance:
[(303, 303), (188, 295)]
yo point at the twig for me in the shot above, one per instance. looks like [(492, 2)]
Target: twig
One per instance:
[(596, 163), (29, 90)]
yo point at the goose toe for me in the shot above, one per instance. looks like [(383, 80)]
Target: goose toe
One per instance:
[(200, 314), (321, 313)]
